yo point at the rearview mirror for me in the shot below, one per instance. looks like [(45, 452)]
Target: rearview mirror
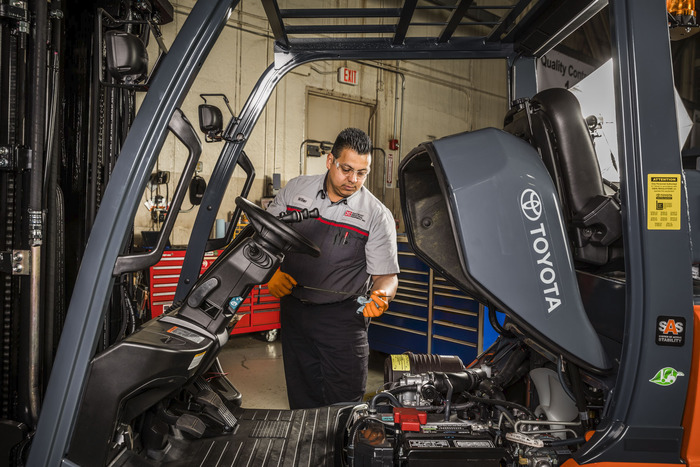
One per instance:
[(211, 122)]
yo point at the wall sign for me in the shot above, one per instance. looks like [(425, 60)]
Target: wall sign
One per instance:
[(347, 76)]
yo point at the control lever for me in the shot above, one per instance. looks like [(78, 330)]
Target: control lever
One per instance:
[(298, 216)]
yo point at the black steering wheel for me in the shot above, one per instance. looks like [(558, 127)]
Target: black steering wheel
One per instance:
[(276, 232)]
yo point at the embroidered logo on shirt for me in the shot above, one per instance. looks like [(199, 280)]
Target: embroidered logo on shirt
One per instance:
[(355, 215)]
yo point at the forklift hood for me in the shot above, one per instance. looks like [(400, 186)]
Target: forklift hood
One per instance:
[(483, 211)]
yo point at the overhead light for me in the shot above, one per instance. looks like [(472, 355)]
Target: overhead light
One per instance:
[(681, 7), (682, 19)]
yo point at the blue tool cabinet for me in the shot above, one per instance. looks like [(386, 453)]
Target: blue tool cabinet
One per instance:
[(430, 315)]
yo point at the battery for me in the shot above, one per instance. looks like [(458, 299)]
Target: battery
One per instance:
[(446, 450)]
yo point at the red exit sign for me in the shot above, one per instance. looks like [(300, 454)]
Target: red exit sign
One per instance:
[(347, 76)]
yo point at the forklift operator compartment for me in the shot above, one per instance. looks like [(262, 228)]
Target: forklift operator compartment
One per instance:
[(517, 217)]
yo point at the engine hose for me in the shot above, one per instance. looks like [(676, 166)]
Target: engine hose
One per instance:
[(578, 392), (350, 452), (561, 379), (493, 321), (384, 395), (504, 403), (404, 388), (448, 402), (463, 406), (505, 375), (565, 442)]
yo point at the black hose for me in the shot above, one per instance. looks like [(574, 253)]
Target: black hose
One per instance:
[(384, 395), (505, 374), (448, 401), (31, 339), (575, 376), (54, 225), (504, 403), (493, 320), (38, 104), (561, 379), (565, 442), (353, 432), (404, 388)]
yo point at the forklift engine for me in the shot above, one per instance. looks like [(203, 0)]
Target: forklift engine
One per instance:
[(435, 410)]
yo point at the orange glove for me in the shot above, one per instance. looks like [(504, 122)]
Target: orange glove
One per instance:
[(281, 284), (379, 304)]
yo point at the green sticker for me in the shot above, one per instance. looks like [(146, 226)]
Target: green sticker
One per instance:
[(666, 376)]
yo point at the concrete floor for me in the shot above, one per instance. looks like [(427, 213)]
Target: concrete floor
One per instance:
[(255, 368)]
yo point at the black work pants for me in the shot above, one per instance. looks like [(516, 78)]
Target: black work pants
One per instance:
[(325, 352)]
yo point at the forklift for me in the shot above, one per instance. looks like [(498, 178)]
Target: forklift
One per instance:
[(596, 362)]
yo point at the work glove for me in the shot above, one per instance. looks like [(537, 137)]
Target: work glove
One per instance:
[(281, 284), (377, 305)]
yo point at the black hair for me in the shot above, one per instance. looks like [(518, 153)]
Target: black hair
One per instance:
[(352, 138)]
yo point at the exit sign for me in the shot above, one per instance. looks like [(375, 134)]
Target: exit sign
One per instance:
[(347, 76)]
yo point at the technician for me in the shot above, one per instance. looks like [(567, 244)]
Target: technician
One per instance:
[(324, 336)]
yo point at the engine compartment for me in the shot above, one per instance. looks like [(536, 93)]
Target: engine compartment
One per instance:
[(509, 407)]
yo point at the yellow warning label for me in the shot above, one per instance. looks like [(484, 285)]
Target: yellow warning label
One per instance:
[(664, 202), (400, 363), (196, 360)]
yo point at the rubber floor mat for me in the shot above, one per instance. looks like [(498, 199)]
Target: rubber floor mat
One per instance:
[(264, 438)]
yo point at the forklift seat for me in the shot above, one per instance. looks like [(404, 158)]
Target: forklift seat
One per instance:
[(552, 122)]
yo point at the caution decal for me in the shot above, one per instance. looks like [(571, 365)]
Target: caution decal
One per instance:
[(664, 202), (400, 363)]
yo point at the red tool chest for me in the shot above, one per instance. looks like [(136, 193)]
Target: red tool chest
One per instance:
[(260, 311)]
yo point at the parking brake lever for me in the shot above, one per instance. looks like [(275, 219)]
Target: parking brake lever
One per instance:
[(298, 216)]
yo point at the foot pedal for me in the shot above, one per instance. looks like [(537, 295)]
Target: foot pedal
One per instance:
[(211, 400), (190, 425)]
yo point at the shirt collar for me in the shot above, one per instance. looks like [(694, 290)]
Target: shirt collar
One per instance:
[(323, 193)]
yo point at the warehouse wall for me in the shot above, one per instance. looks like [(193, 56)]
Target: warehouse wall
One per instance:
[(415, 102)]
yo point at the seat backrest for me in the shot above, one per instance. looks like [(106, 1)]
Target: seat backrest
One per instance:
[(552, 122)]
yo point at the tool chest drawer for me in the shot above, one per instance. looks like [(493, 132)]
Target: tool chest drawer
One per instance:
[(164, 275), (428, 314)]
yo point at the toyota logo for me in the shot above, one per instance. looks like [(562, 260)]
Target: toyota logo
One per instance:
[(531, 204)]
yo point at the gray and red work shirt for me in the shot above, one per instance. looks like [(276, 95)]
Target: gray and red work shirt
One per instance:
[(356, 235)]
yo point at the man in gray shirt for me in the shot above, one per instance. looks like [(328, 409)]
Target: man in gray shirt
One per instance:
[(324, 337)]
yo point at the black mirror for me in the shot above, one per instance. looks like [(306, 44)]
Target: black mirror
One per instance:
[(211, 122), (127, 57)]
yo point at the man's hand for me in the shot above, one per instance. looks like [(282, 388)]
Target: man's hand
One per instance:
[(281, 284), (379, 303)]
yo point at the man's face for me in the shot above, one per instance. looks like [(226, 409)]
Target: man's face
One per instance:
[(347, 173)]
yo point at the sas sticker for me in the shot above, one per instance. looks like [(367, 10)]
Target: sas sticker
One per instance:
[(670, 330), (666, 376), (664, 202)]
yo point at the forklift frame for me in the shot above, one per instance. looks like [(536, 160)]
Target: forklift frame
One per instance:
[(645, 420)]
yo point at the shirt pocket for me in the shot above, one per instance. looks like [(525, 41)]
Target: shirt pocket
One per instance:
[(347, 247)]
